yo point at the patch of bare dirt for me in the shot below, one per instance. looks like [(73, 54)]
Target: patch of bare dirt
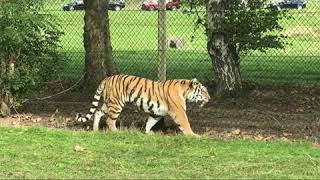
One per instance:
[(259, 114)]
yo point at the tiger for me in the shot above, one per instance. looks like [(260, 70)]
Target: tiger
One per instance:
[(156, 98)]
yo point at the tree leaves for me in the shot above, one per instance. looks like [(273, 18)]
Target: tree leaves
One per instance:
[(28, 42)]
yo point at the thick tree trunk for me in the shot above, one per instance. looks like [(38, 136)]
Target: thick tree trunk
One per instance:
[(225, 61), (97, 43)]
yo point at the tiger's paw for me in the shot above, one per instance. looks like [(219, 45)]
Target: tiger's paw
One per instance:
[(149, 133), (196, 135)]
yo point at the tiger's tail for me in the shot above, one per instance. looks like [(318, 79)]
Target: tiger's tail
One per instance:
[(95, 104)]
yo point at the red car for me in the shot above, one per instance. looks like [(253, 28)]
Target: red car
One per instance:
[(151, 5)]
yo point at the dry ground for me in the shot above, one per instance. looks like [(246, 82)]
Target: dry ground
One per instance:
[(286, 113)]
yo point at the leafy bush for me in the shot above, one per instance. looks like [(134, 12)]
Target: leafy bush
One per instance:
[(29, 43)]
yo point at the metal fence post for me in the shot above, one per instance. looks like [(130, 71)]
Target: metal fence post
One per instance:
[(162, 40)]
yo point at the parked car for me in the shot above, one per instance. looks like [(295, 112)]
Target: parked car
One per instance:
[(150, 5), (115, 5), (290, 4)]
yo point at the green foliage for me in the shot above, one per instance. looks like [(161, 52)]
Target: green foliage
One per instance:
[(248, 25), (29, 40), (252, 26)]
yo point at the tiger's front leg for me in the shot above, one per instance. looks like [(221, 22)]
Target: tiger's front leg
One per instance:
[(112, 116), (180, 117)]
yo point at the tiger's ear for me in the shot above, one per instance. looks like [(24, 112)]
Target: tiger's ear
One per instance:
[(194, 82)]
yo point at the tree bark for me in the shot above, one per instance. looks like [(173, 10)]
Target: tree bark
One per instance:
[(7, 68), (224, 59), (4, 107), (97, 44)]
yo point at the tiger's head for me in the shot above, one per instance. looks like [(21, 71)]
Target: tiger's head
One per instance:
[(197, 93)]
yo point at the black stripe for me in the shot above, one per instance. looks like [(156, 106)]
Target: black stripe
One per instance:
[(158, 103), (95, 106), (112, 118), (123, 82), (134, 88), (124, 89), (117, 88), (114, 112), (163, 90), (145, 85), (128, 84), (141, 104), (134, 78), (152, 87), (92, 107), (115, 108), (149, 98), (114, 101), (165, 94), (97, 99), (112, 106), (138, 95), (159, 92), (140, 92), (173, 101), (155, 116), (169, 95), (150, 107), (112, 79), (87, 119), (156, 93)]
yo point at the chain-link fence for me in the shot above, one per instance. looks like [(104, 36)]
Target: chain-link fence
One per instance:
[(134, 35)]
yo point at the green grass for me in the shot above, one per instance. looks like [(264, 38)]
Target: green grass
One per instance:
[(43, 153), (134, 41)]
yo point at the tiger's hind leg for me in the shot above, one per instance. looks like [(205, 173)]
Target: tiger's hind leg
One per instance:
[(113, 114), (152, 120), (98, 115)]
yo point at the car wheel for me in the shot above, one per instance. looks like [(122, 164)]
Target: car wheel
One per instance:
[(174, 8), (299, 7), (117, 8), (151, 8), (71, 8)]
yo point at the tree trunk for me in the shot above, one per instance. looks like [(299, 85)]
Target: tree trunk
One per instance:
[(224, 60), (97, 44), (7, 68), (4, 108)]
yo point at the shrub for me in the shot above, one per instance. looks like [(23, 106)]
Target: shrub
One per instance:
[(29, 43)]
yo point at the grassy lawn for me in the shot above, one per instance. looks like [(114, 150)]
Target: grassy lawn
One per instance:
[(134, 41), (44, 153)]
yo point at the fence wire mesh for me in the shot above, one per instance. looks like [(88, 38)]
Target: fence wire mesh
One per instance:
[(134, 36), (134, 41)]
